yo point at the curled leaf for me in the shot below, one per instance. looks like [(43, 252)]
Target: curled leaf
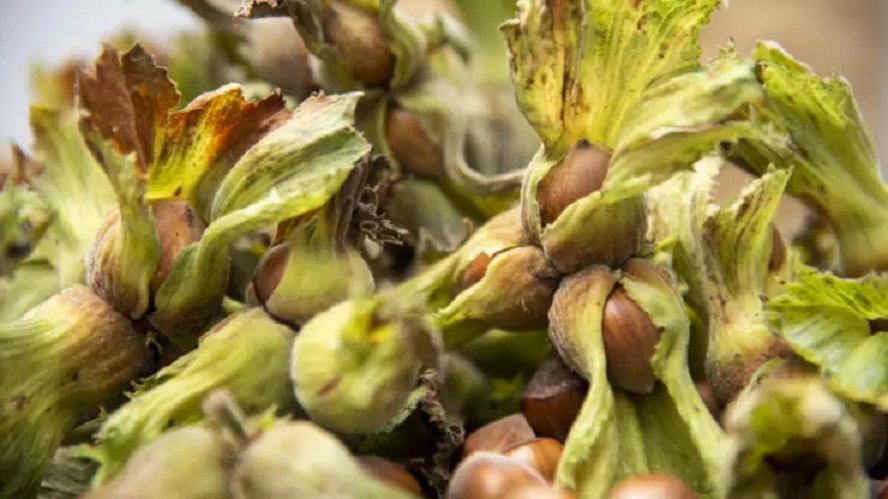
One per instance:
[(832, 323), (833, 159)]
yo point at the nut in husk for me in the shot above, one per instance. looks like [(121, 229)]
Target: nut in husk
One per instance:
[(514, 293), (114, 273), (562, 210), (579, 174), (60, 362), (318, 265), (552, 399), (299, 459), (360, 41), (190, 462), (411, 145), (353, 366), (296, 281), (178, 225), (630, 340)]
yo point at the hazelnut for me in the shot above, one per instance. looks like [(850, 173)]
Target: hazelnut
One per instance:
[(541, 492), (486, 475), (270, 271), (708, 397), (579, 174), (553, 398), (630, 340), (178, 226), (778, 251), (410, 144), (499, 435), (657, 486), (474, 271), (541, 454), (361, 42)]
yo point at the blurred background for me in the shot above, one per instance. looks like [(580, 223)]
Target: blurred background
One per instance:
[(850, 36)]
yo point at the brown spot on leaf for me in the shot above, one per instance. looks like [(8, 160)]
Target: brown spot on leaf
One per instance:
[(211, 134)]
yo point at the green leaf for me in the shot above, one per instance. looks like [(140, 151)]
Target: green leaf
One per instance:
[(835, 168), (579, 66), (590, 460), (74, 185), (248, 355), (291, 171), (195, 147), (675, 123), (825, 319), (678, 121)]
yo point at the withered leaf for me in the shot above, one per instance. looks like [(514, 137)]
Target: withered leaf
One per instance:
[(202, 142), (128, 100), (125, 98)]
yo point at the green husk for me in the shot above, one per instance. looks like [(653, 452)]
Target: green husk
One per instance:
[(299, 459), (188, 463), (723, 256), (323, 266), (354, 366), (617, 434), (61, 361), (247, 354), (793, 419)]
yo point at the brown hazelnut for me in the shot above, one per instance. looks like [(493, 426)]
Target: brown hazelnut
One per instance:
[(499, 435), (410, 144), (630, 340), (361, 42), (474, 271), (541, 454), (579, 174), (657, 486), (553, 398), (708, 397), (541, 492), (486, 475), (390, 473), (178, 225), (269, 272), (778, 251)]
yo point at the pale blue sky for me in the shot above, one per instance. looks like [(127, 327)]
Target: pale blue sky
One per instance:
[(51, 30)]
